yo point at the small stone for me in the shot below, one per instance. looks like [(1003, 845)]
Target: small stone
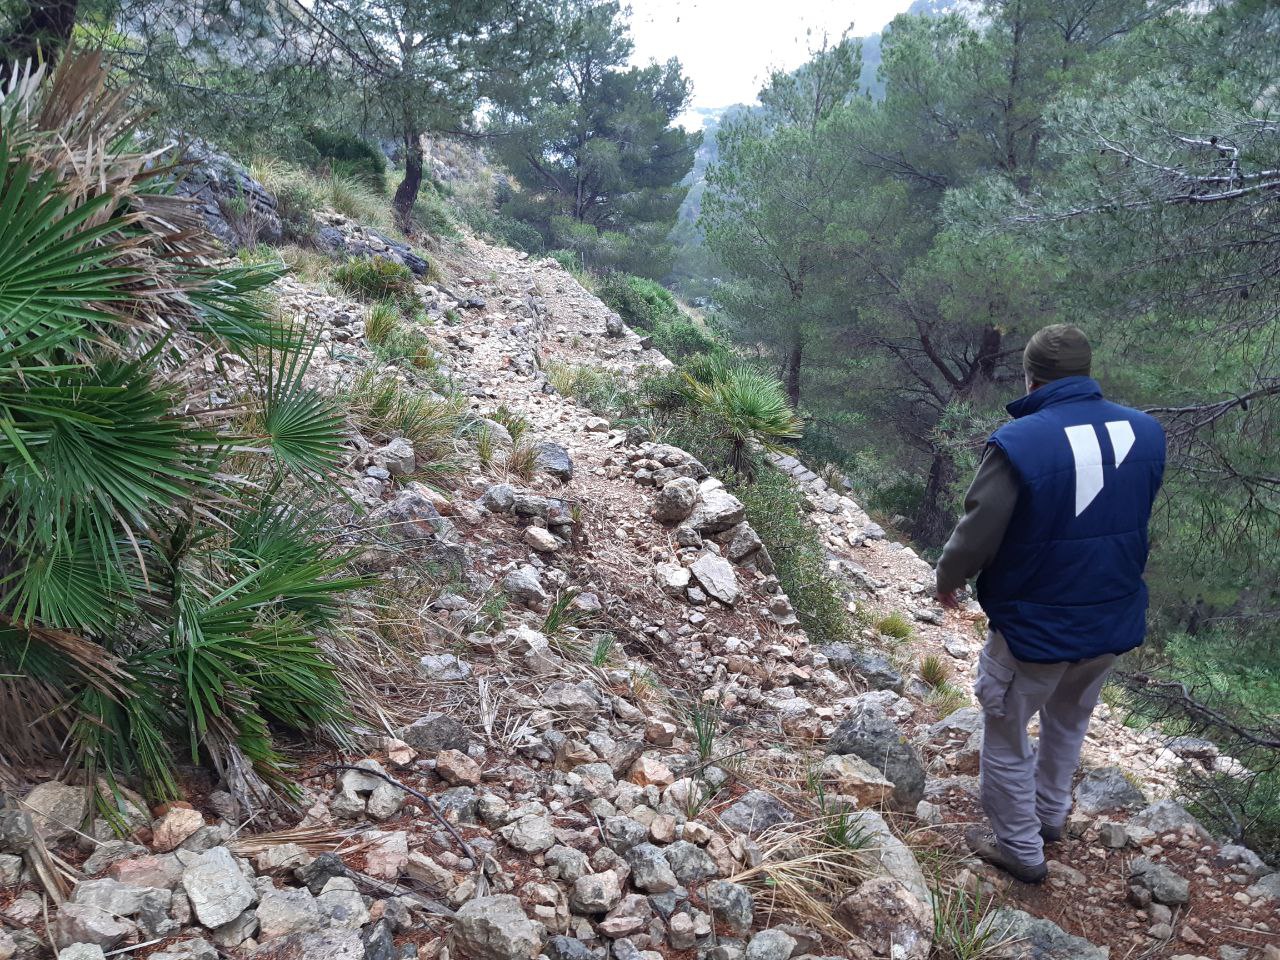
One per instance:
[(1166, 886), (541, 539), (77, 951), (732, 905), (770, 945), (716, 511), (567, 948), (456, 768), (1033, 937), (691, 864), (871, 735), (650, 871), (216, 888), (554, 460), (57, 810), (525, 587), (676, 500), (176, 825), (86, 923), (849, 775), (755, 811), (890, 918), (434, 732), (1105, 789), (385, 801), (17, 831), (342, 905), (444, 667), (285, 911), (672, 578), (650, 770), (531, 834), (595, 893), (716, 576), (1113, 835)]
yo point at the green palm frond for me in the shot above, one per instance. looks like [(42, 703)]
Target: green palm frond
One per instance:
[(231, 306), (746, 408), (303, 429), (54, 266)]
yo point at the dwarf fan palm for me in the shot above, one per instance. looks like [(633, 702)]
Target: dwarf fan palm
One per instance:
[(159, 583), (746, 409)]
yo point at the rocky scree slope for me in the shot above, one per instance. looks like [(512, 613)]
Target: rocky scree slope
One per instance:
[(594, 728)]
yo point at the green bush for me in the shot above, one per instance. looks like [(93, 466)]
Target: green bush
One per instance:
[(502, 228), (641, 303), (348, 155), (680, 338), (376, 278), (431, 213), (166, 574), (566, 258), (776, 510)]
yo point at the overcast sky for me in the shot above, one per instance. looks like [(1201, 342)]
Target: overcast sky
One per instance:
[(729, 47)]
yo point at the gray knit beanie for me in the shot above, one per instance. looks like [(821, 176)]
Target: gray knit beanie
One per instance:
[(1055, 352)]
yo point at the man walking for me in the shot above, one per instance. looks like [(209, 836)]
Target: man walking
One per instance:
[(1055, 529)]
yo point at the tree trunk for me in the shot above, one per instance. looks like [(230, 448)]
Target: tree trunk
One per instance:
[(44, 30), (934, 520), (795, 357), (407, 192)]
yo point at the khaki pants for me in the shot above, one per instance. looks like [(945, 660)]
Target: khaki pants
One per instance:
[(1023, 787)]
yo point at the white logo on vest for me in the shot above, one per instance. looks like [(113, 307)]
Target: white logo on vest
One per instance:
[(1087, 451)]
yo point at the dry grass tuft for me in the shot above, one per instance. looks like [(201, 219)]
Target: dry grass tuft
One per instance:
[(804, 864), (961, 930), (522, 460)]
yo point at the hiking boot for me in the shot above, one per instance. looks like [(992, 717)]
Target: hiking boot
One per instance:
[(983, 844), (1050, 834)]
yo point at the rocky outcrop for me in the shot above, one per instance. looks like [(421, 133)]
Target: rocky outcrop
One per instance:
[(237, 209)]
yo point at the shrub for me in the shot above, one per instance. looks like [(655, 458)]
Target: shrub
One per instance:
[(376, 278), (409, 345), (515, 424), (601, 391), (165, 578), (947, 698), (522, 461), (934, 671), (641, 303), (348, 155), (679, 338), (357, 200), (775, 509), (431, 214), (567, 259), (747, 410)]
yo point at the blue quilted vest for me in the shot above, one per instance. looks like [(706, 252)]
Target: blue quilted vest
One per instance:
[(1067, 583)]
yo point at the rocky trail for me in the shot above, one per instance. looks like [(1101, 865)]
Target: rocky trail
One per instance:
[(593, 728)]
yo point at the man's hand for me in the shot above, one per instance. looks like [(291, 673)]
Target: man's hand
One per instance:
[(949, 600)]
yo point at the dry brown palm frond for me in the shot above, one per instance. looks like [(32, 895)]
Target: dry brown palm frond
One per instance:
[(34, 713), (71, 124), (315, 840)]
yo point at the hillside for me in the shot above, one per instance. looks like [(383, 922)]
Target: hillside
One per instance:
[(589, 723)]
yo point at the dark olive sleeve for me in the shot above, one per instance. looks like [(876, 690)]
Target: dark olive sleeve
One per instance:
[(988, 507)]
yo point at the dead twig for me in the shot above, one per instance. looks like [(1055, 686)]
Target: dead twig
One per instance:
[(427, 801)]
